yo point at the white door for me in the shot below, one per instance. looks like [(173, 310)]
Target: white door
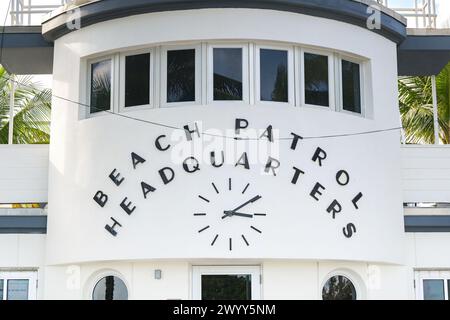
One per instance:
[(432, 285), (226, 283), (18, 285)]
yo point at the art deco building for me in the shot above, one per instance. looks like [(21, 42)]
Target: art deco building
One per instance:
[(225, 150)]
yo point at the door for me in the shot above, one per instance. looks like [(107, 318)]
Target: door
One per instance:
[(226, 283)]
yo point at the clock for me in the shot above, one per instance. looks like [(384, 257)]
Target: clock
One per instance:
[(230, 214)]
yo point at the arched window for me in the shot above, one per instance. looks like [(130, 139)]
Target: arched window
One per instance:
[(110, 288), (339, 288)]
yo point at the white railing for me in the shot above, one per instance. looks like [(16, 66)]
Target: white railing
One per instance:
[(30, 12), (420, 13)]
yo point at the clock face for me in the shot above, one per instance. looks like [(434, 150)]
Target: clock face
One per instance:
[(230, 215)]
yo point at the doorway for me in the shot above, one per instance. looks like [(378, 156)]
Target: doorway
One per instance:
[(226, 283)]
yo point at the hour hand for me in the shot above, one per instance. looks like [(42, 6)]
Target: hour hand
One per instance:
[(232, 213)]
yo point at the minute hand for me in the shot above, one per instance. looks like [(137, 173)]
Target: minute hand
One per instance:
[(254, 199)]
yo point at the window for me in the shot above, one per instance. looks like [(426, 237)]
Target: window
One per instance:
[(316, 80), (180, 75), (110, 288), (100, 86), (228, 74), (433, 289), (17, 289), (137, 80), (339, 288), (18, 285), (351, 86), (273, 77), (433, 285)]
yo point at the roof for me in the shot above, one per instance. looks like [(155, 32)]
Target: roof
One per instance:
[(393, 26)]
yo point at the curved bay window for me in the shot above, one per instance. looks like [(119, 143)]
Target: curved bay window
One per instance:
[(223, 73), (339, 288), (110, 288)]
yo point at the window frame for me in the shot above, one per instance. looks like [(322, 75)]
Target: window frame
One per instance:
[(31, 276), (114, 79), (422, 276), (331, 79), (96, 277), (198, 75), (357, 284), (245, 72), (340, 87), (122, 73), (290, 73)]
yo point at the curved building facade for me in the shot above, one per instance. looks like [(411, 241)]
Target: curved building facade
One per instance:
[(238, 144)]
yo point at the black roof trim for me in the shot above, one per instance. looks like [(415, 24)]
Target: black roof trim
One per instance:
[(349, 11), (424, 55)]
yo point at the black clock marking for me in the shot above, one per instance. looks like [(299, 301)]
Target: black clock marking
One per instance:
[(257, 230), (245, 240), (205, 228), (240, 213), (203, 198), (215, 239)]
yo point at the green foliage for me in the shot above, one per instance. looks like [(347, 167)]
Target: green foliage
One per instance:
[(32, 108), (416, 107)]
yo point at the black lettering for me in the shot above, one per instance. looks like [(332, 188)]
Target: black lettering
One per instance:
[(272, 165), (342, 177), (158, 144), (136, 159), (116, 178), (195, 167), (189, 132), (319, 155), (101, 198), (317, 191), (240, 124), (146, 189), (297, 174), (335, 207), (127, 206), (213, 159), (166, 179), (295, 140), (243, 161), (268, 134), (356, 199), (349, 230), (110, 229)]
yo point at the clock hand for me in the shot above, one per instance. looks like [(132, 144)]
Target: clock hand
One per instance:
[(254, 199), (230, 213)]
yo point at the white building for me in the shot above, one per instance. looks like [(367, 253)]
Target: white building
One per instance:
[(225, 149)]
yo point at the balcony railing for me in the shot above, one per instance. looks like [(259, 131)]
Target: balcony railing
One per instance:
[(30, 12), (420, 13)]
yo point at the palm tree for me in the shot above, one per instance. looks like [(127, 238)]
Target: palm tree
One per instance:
[(416, 107), (32, 108)]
